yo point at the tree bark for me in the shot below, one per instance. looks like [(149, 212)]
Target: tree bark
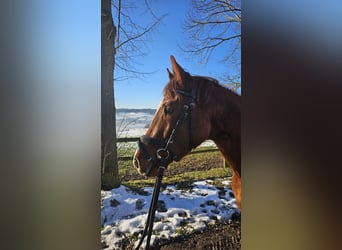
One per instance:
[(109, 163)]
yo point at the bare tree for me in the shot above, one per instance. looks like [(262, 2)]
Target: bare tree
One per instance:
[(133, 35), (212, 24), (109, 166), (121, 45)]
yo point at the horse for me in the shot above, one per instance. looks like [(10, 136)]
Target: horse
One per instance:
[(193, 109)]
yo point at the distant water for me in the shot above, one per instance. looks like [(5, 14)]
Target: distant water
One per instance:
[(133, 122)]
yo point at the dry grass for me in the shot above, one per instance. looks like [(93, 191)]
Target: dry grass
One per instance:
[(193, 167)]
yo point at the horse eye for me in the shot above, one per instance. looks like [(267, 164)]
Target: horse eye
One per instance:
[(167, 110)]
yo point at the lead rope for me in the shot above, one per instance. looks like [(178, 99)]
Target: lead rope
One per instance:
[(162, 155), (153, 207)]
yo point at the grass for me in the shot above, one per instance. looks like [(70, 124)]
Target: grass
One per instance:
[(193, 167), (188, 177)]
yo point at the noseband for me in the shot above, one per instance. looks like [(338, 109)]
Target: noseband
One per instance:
[(163, 151)]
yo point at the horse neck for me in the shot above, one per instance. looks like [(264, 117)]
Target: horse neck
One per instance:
[(226, 124)]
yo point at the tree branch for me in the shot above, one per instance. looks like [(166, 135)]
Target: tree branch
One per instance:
[(119, 21), (138, 35), (211, 46)]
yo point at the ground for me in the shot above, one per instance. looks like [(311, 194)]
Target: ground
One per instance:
[(222, 236), (219, 237)]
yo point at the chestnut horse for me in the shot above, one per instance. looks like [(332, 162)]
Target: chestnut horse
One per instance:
[(193, 109)]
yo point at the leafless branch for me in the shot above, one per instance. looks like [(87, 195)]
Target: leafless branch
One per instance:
[(214, 24), (132, 36), (137, 36), (211, 24), (132, 70), (214, 45), (119, 20)]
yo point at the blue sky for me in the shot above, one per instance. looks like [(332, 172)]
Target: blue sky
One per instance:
[(147, 92), (67, 45)]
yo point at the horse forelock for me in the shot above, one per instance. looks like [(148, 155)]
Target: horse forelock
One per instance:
[(170, 90)]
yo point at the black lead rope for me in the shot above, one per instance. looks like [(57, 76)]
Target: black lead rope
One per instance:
[(153, 207), (163, 154)]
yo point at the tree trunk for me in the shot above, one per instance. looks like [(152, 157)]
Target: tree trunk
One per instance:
[(109, 163)]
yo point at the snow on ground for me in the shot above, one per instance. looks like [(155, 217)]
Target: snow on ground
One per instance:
[(124, 211)]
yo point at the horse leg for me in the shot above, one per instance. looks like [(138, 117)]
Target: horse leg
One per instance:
[(236, 187)]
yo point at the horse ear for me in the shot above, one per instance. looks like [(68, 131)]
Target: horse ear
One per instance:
[(169, 74), (177, 70)]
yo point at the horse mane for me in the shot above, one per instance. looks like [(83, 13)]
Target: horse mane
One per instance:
[(213, 82), (204, 83)]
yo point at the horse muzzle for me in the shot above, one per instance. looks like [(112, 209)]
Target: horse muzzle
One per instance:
[(147, 167)]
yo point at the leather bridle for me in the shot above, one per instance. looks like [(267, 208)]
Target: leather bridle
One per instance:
[(163, 151)]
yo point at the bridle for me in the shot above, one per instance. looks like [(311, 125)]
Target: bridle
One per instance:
[(163, 151)]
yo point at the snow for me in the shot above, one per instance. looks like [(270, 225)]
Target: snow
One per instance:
[(124, 212)]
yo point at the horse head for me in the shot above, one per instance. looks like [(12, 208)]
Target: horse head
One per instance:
[(179, 124)]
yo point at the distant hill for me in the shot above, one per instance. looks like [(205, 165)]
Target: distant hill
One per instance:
[(149, 111)]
